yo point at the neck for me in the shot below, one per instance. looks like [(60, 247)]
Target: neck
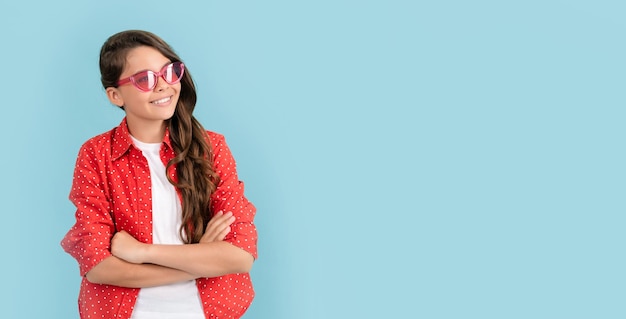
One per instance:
[(147, 132)]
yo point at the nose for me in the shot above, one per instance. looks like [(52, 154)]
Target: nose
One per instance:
[(161, 85)]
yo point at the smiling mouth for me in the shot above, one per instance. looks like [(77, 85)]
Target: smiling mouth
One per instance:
[(162, 101)]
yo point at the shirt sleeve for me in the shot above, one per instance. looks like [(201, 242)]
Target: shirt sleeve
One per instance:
[(89, 239), (229, 197)]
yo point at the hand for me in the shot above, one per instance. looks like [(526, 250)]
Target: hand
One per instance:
[(126, 247), (218, 227)]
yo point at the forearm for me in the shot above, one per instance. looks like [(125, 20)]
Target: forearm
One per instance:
[(115, 271), (203, 260)]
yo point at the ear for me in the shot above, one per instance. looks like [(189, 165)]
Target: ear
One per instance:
[(114, 96)]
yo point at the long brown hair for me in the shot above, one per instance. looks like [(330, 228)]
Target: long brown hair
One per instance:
[(197, 179)]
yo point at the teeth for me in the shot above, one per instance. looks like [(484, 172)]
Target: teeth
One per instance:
[(163, 100)]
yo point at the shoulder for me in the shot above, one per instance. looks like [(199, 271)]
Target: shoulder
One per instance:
[(101, 138), (99, 144), (221, 152), (216, 139), (214, 135)]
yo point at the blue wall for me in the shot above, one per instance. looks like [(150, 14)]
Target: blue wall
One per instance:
[(408, 159)]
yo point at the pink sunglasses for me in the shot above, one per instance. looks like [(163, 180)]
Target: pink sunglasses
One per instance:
[(146, 81)]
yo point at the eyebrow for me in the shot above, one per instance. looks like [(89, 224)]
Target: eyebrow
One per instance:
[(166, 63)]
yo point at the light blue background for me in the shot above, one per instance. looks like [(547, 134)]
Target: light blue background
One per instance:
[(408, 159)]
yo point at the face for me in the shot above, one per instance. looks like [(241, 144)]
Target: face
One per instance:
[(145, 110)]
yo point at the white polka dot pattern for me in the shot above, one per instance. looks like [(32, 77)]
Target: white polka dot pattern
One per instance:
[(112, 191)]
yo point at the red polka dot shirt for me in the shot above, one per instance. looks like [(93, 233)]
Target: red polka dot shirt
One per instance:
[(111, 190)]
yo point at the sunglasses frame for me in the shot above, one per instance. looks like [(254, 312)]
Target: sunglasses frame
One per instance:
[(161, 73)]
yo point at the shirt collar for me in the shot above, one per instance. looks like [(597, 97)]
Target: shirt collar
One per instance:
[(122, 140)]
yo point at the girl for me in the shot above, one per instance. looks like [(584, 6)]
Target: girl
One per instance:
[(163, 229)]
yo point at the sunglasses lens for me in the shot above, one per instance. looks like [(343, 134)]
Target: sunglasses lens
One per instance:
[(173, 73), (145, 81)]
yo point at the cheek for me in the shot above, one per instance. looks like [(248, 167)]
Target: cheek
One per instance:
[(177, 88), (137, 100), (131, 94)]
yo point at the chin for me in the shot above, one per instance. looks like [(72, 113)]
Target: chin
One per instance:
[(168, 115)]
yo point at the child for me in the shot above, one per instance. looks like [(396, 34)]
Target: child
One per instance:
[(163, 229)]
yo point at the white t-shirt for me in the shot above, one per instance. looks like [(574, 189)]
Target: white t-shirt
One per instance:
[(180, 300)]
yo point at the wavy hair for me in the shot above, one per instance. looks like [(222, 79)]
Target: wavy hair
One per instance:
[(197, 178)]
